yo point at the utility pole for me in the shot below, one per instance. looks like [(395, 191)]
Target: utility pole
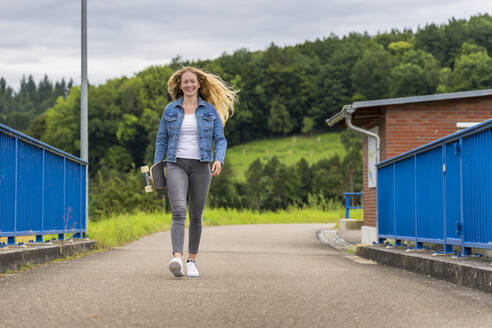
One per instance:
[(84, 135)]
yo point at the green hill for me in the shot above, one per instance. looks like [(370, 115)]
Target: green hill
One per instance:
[(289, 150)]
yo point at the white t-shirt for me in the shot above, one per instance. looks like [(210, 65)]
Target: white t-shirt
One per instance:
[(188, 146)]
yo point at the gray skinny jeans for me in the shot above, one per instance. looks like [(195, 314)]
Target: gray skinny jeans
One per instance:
[(184, 175)]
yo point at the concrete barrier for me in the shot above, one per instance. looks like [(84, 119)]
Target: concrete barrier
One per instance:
[(471, 273), (350, 224), (15, 258)]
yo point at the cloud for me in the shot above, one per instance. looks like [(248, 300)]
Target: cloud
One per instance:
[(126, 36)]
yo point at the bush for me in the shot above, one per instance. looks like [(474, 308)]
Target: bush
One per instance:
[(113, 193), (223, 191)]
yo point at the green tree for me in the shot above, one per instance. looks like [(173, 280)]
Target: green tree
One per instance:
[(352, 162), (473, 70), (432, 39), (62, 123), (117, 158), (307, 125), (398, 48), (456, 34), (394, 36), (370, 76), (305, 176), (279, 120), (328, 179), (277, 186), (479, 29), (408, 80), (223, 189), (254, 174), (427, 63)]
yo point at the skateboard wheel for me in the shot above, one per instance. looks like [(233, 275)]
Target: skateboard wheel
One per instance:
[(144, 169), (148, 189)]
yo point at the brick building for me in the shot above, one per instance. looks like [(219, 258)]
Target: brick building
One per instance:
[(402, 124)]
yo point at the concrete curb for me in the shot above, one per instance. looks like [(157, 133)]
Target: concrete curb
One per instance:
[(15, 258), (475, 274), (332, 237)]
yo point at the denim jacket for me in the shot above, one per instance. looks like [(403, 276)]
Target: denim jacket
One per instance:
[(209, 129)]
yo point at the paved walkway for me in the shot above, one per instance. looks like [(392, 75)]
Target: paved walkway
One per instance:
[(252, 276)]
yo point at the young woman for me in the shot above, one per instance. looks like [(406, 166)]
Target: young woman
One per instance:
[(189, 126)]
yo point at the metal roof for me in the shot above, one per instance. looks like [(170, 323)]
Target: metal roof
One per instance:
[(407, 100)]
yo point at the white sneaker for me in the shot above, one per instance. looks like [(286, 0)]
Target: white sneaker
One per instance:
[(176, 266), (191, 270)]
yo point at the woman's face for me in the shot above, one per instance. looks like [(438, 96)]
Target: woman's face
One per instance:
[(189, 84)]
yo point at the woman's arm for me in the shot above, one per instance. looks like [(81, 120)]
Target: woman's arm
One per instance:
[(161, 140), (219, 139)]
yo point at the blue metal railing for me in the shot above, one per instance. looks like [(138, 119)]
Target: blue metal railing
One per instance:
[(348, 196), (42, 189), (440, 193)]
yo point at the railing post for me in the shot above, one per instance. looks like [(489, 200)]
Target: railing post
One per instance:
[(465, 251), (460, 224), (447, 249), (39, 238), (11, 240), (347, 206), (397, 242), (418, 245), (78, 235), (65, 214)]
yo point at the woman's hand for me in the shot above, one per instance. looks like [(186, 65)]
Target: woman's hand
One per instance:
[(216, 168)]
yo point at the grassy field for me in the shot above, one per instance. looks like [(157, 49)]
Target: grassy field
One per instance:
[(289, 150)]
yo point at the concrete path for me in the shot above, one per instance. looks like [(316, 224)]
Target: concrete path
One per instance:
[(252, 276)]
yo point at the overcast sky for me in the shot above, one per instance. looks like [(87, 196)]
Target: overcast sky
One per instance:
[(126, 36)]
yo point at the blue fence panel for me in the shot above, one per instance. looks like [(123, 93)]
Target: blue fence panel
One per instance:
[(7, 182), (452, 187), (441, 192), (42, 189), (29, 187), (84, 211), (477, 189), (73, 200), (386, 215), (54, 192), (405, 198), (429, 192)]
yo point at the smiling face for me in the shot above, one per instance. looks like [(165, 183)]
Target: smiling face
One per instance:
[(189, 84)]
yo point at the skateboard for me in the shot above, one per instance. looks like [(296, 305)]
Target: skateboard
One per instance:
[(155, 177)]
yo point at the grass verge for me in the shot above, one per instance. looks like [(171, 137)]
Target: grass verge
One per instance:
[(221, 216), (123, 229)]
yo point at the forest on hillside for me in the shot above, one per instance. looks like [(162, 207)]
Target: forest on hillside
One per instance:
[(18, 109), (283, 90)]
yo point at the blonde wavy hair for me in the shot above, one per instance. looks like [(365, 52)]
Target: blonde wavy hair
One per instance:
[(212, 89)]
